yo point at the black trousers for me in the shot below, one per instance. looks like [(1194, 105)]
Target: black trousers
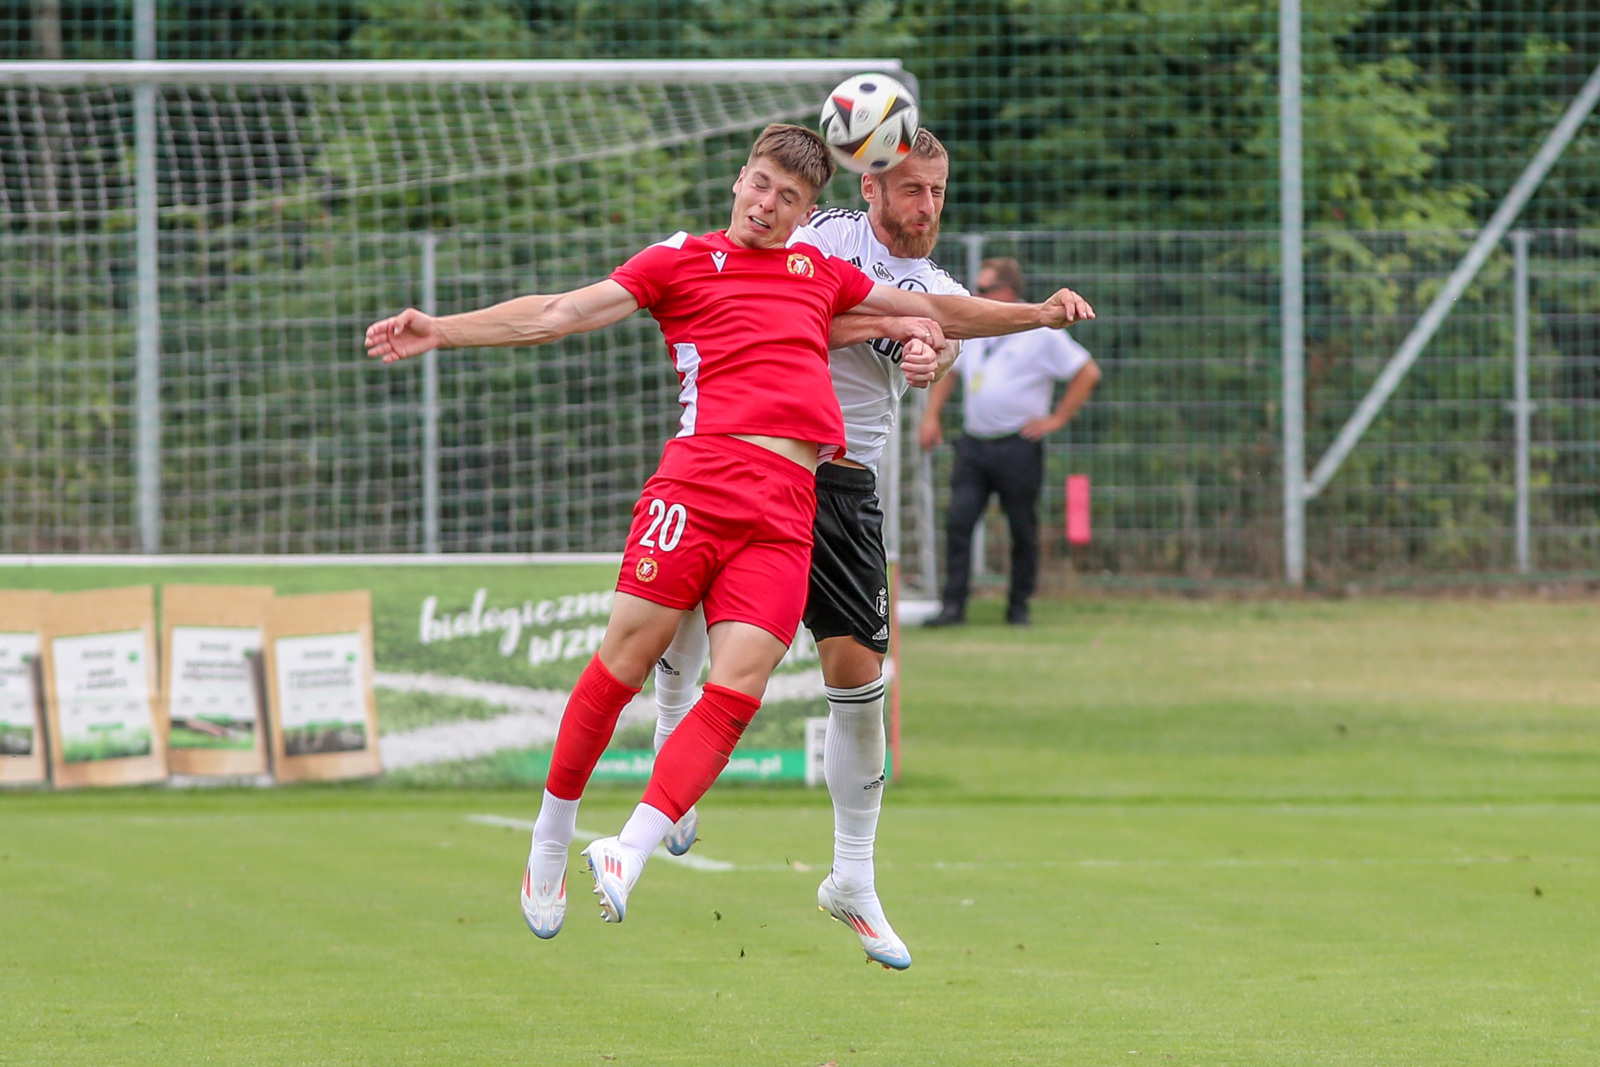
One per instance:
[(1014, 468)]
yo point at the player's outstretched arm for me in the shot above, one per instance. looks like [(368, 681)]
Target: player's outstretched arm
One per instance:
[(971, 316), (925, 353), (526, 320), (853, 328)]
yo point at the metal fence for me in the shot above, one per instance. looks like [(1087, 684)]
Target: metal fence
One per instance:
[(1182, 441), (277, 436), (1132, 150)]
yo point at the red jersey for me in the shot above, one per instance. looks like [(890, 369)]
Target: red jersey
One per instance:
[(748, 331)]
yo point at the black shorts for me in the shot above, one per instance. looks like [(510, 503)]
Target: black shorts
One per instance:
[(849, 594)]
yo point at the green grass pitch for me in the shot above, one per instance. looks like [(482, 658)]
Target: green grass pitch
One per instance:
[(1142, 832)]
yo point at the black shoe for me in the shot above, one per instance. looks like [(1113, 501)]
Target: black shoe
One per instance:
[(1017, 615), (948, 616)]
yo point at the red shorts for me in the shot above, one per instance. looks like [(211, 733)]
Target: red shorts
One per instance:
[(727, 523)]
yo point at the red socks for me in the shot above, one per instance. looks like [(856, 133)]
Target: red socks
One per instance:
[(586, 729), (685, 767), (698, 749)]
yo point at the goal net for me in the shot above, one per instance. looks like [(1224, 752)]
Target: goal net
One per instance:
[(192, 252)]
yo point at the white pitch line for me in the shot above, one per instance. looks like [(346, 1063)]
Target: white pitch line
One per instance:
[(1359, 861), (701, 863), (691, 860)]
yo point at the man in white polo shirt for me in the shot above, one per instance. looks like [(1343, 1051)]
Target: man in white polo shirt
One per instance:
[(1006, 384)]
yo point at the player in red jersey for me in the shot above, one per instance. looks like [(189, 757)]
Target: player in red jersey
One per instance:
[(727, 518)]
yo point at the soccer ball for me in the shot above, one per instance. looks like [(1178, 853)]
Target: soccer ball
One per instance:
[(869, 122)]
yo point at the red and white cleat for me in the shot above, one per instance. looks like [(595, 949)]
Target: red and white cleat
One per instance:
[(862, 913), (544, 901), (616, 871)]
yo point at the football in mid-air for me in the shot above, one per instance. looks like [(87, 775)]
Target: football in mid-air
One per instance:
[(869, 122)]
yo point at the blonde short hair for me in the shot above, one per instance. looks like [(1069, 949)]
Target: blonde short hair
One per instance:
[(927, 146)]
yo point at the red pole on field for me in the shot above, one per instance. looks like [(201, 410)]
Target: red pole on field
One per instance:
[(1077, 509)]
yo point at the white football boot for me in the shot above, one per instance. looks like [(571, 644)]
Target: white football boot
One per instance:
[(681, 837), (544, 901), (616, 871), (862, 913)]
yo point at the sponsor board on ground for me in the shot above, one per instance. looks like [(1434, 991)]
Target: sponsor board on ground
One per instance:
[(504, 654), (106, 725), (470, 668), (319, 667), (22, 741), (210, 634)]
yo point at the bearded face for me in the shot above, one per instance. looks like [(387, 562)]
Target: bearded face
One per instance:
[(905, 204), (912, 234)]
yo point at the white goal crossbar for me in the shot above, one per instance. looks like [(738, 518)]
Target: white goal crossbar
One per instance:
[(384, 72)]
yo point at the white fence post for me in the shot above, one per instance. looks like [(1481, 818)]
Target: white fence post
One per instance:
[(1292, 297), (430, 402), (1521, 408), (147, 254)]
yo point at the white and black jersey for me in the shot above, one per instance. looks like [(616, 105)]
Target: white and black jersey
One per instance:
[(866, 377)]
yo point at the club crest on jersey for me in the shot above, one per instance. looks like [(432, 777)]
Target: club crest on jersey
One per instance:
[(800, 264), (881, 271), (720, 259), (647, 570)]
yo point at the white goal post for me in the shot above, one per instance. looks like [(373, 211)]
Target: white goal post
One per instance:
[(196, 245)]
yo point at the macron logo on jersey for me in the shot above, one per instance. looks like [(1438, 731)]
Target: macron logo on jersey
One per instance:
[(720, 259)]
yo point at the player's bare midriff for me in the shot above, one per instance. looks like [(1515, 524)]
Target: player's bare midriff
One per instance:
[(845, 461), (801, 452)]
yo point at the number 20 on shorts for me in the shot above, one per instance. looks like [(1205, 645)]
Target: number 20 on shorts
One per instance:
[(667, 519)]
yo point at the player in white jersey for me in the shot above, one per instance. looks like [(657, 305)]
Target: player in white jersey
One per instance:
[(848, 605)]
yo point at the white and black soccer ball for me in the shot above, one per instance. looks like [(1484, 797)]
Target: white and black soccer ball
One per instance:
[(869, 122)]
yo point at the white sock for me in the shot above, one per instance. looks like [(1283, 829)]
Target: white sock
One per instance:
[(678, 674), (852, 764), (644, 829), (552, 836)]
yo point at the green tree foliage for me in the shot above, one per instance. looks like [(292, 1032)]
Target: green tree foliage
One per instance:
[(1088, 113), (440, 29)]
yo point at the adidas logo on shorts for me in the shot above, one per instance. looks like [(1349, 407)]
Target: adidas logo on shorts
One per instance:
[(881, 635)]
